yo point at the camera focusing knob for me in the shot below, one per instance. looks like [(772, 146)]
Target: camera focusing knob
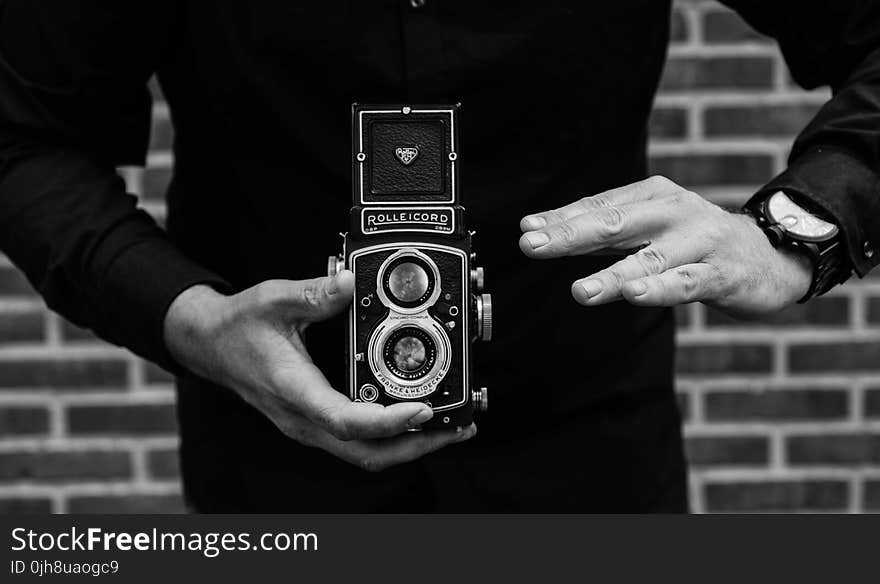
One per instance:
[(478, 278), (335, 264), (480, 397), (484, 317)]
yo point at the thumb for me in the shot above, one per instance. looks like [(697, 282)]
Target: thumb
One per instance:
[(321, 298)]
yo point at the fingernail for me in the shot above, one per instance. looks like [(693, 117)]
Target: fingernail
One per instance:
[(535, 222), (333, 286), (536, 240), (638, 287), (420, 418), (591, 287), (465, 433)]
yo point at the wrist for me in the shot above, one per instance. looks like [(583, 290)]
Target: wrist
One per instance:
[(800, 269), (191, 322), (793, 268)]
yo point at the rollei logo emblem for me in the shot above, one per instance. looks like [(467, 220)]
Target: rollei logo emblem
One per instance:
[(406, 154)]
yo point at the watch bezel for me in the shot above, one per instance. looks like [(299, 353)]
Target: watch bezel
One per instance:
[(771, 220)]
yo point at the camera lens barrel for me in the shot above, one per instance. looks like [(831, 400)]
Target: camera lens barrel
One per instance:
[(408, 281)]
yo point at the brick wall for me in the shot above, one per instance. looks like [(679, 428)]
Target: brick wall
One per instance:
[(783, 415), (780, 416)]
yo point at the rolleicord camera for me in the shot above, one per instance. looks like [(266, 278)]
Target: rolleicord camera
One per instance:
[(418, 305)]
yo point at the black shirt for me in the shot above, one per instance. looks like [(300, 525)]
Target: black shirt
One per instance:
[(556, 96)]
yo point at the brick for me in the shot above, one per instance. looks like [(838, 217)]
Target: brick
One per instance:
[(142, 420), (714, 359), (776, 405), (668, 123), (814, 495), (758, 121), (156, 183), (855, 356), (717, 73), (23, 421), (728, 27), (701, 170), (684, 405), (63, 373), (154, 374), (25, 327), (873, 308), (63, 466), (72, 333), (25, 506), (163, 464), (872, 496), (833, 449), (872, 403), (728, 451), (140, 504), (14, 283), (161, 134), (678, 27), (825, 311)]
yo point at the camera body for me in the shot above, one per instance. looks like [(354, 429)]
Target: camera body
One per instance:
[(418, 305)]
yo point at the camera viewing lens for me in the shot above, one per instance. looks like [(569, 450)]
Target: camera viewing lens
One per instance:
[(408, 282), (409, 354)]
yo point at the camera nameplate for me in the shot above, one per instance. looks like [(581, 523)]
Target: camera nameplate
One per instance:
[(434, 220)]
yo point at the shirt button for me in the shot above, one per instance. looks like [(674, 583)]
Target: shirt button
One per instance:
[(417, 3), (868, 250)]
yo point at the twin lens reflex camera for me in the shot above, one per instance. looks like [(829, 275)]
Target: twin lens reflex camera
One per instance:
[(418, 303)]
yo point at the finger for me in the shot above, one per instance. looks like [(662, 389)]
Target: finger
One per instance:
[(687, 283), (611, 227), (308, 392), (644, 190), (310, 300), (605, 286), (378, 455)]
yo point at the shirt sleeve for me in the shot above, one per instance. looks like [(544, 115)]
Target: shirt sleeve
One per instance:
[(835, 161), (74, 104)]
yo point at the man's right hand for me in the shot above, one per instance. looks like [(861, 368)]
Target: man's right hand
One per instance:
[(253, 343)]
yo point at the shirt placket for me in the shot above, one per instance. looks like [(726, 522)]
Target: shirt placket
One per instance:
[(423, 62)]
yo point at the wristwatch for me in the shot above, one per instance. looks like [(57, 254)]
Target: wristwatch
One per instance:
[(790, 221)]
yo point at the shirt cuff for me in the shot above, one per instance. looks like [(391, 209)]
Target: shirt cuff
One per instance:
[(137, 290), (844, 187)]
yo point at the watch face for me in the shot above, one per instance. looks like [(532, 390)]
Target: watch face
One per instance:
[(797, 221)]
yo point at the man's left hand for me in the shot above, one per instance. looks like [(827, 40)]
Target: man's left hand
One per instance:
[(682, 249)]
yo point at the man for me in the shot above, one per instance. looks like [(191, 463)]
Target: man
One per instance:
[(556, 97)]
